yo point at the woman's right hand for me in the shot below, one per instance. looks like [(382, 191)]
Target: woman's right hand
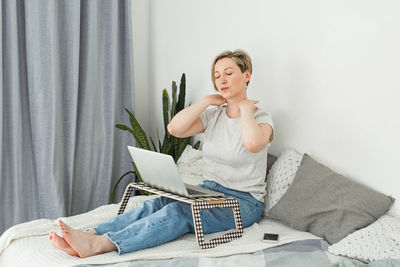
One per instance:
[(187, 122), (215, 100)]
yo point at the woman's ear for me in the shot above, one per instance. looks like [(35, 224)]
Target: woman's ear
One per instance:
[(247, 75)]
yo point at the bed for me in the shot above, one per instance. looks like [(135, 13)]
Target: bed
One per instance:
[(28, 243)]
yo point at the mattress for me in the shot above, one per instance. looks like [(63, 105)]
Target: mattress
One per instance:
[(28, 244)]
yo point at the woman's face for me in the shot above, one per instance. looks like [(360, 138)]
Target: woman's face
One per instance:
[(229, 79)]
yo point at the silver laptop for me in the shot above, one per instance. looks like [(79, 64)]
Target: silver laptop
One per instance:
[(159, 171)]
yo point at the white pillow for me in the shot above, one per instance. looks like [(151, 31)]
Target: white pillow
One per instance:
[(281, 176), (190, 166), (379, 240)]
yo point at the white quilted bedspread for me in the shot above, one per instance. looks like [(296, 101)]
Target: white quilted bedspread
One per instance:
[(28, 243)]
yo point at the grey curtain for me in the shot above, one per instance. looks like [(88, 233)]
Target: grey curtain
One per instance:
[(66, 75)]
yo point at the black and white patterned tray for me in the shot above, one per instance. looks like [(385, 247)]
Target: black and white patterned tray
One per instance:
[(198, 204)]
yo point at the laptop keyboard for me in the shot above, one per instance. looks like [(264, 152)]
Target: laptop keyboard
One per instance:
[(194, 192)]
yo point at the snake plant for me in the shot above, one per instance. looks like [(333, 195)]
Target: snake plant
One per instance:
[(170, 145)]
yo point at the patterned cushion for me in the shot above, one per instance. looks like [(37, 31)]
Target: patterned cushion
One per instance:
[(379, 240), (281, 176)]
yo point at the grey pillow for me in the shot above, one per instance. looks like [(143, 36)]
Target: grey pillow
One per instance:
[(328, 204), (270, 161)]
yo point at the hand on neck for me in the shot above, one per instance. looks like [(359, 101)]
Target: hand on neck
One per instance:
[(232, 109)]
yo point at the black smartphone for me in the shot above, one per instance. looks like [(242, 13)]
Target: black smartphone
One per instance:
[(270, 237)]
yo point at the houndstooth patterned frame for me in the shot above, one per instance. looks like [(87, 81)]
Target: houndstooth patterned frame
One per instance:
[(197, 205), (125, 198)]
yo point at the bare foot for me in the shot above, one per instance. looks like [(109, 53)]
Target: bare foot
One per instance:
[(86, 244), (59, 242)]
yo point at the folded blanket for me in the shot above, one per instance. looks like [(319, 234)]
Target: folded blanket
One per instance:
[(28, 242)]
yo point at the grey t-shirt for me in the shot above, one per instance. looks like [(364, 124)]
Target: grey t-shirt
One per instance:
[(225, 158)]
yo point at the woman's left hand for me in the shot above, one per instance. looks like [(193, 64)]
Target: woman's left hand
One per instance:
[(248, 104), (255, 136)]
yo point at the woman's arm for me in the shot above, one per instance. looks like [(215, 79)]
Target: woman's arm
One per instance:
[(255, 136), (187, 122)]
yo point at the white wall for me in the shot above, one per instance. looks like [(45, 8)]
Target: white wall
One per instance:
[(328, 71)]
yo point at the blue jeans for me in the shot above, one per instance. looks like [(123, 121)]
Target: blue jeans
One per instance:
[(160, 220)]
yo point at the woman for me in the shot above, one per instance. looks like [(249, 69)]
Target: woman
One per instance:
[(236, 135)]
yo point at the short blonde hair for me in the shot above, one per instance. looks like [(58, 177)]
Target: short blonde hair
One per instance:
[(240, 57)]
